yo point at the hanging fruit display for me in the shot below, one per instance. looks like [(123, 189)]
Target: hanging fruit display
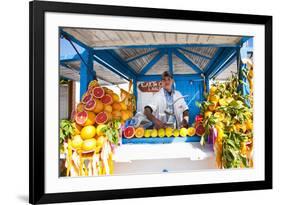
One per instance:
[(88, 139), (227, 121)]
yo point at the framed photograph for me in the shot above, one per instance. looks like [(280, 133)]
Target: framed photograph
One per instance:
[(130, 102)]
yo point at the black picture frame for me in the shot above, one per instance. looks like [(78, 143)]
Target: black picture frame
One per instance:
[(37, 10)]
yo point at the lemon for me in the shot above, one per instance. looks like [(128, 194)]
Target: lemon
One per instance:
[(214, 98), (147, 133), (219, 116), (88, 132), (99, 129), (213, 90), (89, 144), (169, 131), (154, 133), (161, 132), (176, 133), (100, 141), (183, 132), (77, 142)]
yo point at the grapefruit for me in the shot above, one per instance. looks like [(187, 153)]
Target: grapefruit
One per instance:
[(107, 99), (86, 97), (102, 118), (88, 132), (98, 106), (129, 132), (200, 130), (90, 105), (98, 92), (81, 117), (91, 119), (139, 132), (89, 144)]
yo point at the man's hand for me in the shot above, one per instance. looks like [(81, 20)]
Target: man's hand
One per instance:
[(158, 124), (184, 123)]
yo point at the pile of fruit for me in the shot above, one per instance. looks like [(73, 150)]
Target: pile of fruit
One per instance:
[(139, 132), (228, 123), (94, 132)]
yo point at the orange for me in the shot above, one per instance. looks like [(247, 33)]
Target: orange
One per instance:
[(207, 114), (77, 128), (115, 97), (191, 131), (212, 107), (116, 106), (139, 132), (88, 132), (116, 115), (107, 108), (123, 106), (98, 107), (125, 115), (91, 119)]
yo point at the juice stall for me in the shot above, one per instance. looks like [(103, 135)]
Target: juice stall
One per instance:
[(112, 75)]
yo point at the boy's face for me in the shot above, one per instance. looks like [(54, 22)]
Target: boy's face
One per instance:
[(167, 83)]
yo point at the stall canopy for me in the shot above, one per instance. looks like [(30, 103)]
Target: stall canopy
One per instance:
[(116, 56)]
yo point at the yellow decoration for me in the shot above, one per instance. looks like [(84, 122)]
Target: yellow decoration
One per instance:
[(154, 133)]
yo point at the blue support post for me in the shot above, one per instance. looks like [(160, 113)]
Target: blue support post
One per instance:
[(135, 87), (187, 61), (87, 74)]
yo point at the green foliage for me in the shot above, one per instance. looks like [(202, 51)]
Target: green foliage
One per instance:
[(112, 131), (66, 130)]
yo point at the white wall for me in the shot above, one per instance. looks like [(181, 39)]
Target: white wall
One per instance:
[(14, 100)]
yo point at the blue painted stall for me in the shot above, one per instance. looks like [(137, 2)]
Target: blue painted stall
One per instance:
[(191, 83)]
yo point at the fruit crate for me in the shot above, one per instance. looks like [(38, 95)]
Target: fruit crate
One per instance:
[(160, 140)]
